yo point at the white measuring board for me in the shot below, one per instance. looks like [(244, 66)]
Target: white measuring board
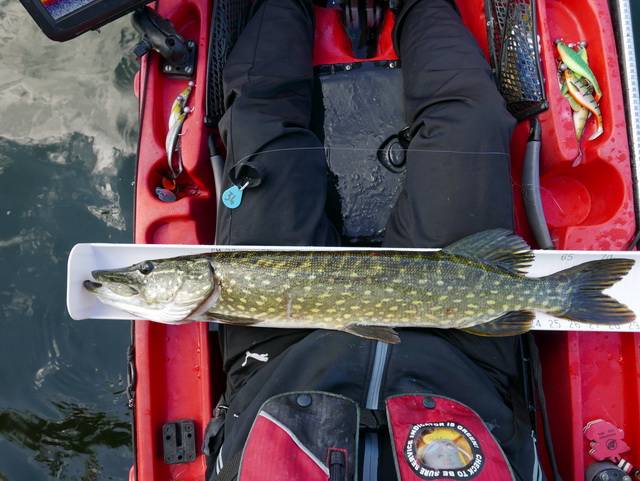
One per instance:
[(631, 83), (85, 258)]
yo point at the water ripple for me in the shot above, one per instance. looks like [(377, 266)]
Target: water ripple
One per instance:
[(79, 432), (67, 155)]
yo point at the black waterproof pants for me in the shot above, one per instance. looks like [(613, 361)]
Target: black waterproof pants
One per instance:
[(457, 183)]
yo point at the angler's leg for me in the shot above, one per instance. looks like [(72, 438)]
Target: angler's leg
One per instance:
[(268, 83), (458, 183), (458, 167), (268, 86)]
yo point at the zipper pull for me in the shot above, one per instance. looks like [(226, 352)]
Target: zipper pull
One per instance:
[(337, 465)]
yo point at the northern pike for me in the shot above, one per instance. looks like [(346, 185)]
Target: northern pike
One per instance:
[(476, 284)]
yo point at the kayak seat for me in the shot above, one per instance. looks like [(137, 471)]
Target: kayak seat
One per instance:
[(357, 115)]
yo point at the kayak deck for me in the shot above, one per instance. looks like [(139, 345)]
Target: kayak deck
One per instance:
[(587, 207)]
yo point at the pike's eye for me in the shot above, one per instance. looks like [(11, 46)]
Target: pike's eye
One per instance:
[(145, 268)]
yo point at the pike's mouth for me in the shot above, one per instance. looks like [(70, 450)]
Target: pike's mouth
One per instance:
[(115, 286), (91, 286)]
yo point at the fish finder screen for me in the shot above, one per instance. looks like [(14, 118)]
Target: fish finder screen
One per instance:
[(60, 8), (65, 19)]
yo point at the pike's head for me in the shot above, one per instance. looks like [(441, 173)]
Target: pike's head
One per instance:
[(167, 290)]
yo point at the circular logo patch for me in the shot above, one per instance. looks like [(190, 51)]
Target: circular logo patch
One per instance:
[(443, 450)]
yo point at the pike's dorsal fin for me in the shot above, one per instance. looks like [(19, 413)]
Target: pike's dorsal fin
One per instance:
[(512, 323), (496, 246), (377, 333)]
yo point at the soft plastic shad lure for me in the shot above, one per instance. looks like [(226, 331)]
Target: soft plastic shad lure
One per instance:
[(574, 61), (581, 91), (579, 86)]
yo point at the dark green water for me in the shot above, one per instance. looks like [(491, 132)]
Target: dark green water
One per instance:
[(68, 133)]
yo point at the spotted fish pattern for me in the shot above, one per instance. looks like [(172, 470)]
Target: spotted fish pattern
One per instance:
[(477, 284)]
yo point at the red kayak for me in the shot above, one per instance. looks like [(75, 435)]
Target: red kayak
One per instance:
[(588, 206)]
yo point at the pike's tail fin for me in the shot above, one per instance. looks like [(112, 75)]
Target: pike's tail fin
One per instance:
[(587, 303)]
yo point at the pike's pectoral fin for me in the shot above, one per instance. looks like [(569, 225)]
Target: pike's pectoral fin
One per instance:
[(377, 333), (227, 319), (511, 324)]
